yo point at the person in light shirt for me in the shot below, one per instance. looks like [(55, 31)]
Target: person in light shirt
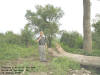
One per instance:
[(42, 47)]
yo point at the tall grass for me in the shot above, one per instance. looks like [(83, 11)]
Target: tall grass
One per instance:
[(13, 51)]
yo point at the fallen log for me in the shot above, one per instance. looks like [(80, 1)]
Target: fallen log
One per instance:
[(82, 59)]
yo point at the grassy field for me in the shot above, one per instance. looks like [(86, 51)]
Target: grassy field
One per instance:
[(57, 66), (22, 56)]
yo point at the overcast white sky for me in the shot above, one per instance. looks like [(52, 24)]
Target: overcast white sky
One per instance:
[(12, 13)]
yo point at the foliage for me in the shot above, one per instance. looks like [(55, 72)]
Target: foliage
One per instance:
[(61, 65), (10, 38), (27, 35), (45, 19), (14, 46), (54, 41), (94, 52), (73, 50), (12, 51), (96, 35), (72, 39)]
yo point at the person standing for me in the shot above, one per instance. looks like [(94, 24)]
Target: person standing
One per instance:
[(42, 47)]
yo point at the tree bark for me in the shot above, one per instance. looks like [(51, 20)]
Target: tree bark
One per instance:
[(82, 59), (87, 43)]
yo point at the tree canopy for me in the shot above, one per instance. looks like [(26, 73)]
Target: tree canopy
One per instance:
[(45, 19)]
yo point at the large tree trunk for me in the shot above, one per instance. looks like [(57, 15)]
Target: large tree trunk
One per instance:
[(82, 59), (87, 43)]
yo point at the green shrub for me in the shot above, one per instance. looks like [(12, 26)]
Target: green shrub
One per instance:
[(60, 65)]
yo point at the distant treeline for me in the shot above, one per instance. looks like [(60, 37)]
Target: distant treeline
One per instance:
[(69, 39), (26, 38)]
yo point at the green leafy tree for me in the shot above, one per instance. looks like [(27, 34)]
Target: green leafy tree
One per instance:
[(72, 39), (26, 35), (45, 19)]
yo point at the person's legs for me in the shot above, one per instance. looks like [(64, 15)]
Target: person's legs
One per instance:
[(42, 53)]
